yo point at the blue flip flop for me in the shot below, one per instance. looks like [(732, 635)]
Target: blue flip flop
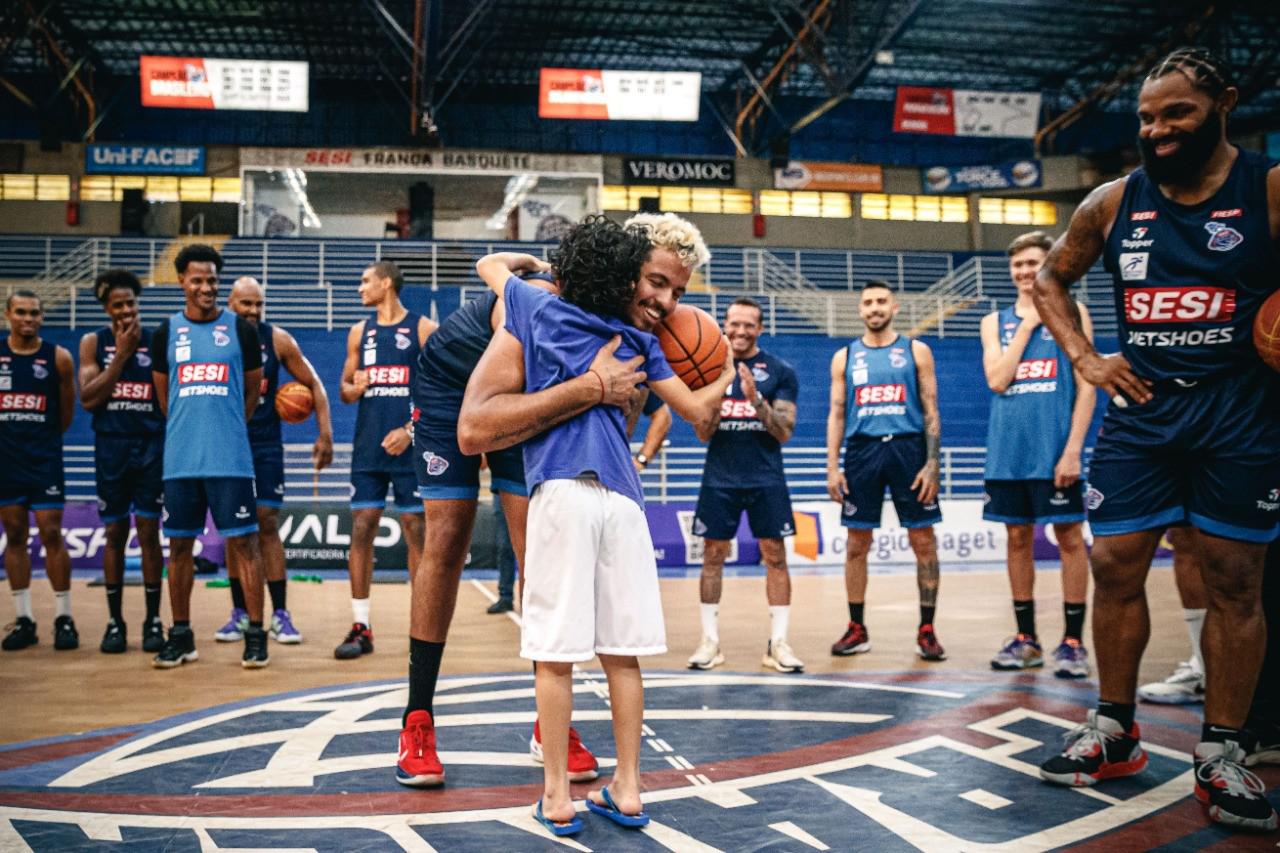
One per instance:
[(612, 812), (572, 827)]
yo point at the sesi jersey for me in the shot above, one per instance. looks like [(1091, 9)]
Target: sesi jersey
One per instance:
[(389, 355), (132, 408), (264, 424), (30, 415), (881, 393)]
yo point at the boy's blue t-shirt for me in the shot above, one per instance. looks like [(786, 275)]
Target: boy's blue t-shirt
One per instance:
[(560, 341)]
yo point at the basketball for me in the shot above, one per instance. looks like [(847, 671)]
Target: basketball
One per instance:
[(1266, 331), (693, 344), (294, 403)]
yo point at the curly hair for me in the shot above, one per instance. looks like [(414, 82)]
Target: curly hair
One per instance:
[(598, 263), (112, 280), (674, 233), (197, 253)]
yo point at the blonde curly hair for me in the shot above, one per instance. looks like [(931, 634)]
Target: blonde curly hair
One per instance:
[(680, 236)]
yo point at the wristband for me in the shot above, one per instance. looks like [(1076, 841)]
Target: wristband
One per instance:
[(601, 381), (642, 459)]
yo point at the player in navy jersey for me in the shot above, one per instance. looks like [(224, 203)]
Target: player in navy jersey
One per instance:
[(1035, 439), (884, 411), (744, 473), (382, 357), (128, 451), (279, 349), (37, 399), (1193, 432), (207, 368)]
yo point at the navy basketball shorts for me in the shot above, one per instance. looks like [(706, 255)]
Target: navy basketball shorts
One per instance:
[(49, 493), (369, 490), (1031, 501), (1208, 456), (873, 464), (768, 509), (446, 473), (230, 500), (130, 476), (268, 472)]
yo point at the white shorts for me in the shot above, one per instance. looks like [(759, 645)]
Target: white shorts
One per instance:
[(590, 579)]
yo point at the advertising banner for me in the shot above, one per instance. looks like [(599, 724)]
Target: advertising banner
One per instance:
[(839, 177), (576, 93), (680, 171), (223, 84), (85, 538), (963, 179), (460, 161), (924, 109), (107, 159), (966, 112)]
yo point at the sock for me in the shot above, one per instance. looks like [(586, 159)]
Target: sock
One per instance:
[(360, 611), (237, 594), (779, 616), (926, 614), (276, 589), (62, 600), (115, 592), (255, 626), (710, 613), (424, 669), (182, 624), (152, 594), (1210, 733), (855, 612), (22, 602), (1025, 613), (1195, 624), (1118, 711), (1073, 617)]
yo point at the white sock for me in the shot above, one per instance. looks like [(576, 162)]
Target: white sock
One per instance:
[(360, 610), (710, 613), (22, 602), (63, 601), (1195, 624), (779, 616)]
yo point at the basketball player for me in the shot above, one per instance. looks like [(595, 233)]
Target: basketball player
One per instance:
[(1193, 432), (1186, 684), (655, 435), (278, 349), (207, 369), (37, 400), (382, 355), (884, 410), (1035, 438), (128, 451), (744, 472), (590, 578)]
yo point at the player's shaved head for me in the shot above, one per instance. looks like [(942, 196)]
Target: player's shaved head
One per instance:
[(247, 298), (245, 285)]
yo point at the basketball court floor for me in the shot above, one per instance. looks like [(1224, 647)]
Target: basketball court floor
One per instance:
[(877, 752)]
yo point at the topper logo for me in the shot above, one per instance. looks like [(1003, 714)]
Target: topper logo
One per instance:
[(869, 394), (1179, 304), (392, 374), (23, 402), (132, 391), (202, 372), (1036, 368)]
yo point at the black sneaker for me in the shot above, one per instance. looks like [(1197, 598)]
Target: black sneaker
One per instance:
[(152, 635), (180, 648), (65, 635), (855, 641), (1263, 744), (255, 648), (1097, 749), (115, 640), (22, 633), (1232, 795), (502, 605), (359, 642)]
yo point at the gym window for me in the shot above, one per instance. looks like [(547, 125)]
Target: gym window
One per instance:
[(813, 204), (914, 208), (677, 199), (1016, 211)]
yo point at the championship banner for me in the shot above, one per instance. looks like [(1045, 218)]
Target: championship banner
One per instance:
[(575, 93), (100, 159), (838, 177), (966, 112), (223, 84), (963, 179)]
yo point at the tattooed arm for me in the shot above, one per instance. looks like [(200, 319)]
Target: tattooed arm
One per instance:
[(778, 417), (926, 482)]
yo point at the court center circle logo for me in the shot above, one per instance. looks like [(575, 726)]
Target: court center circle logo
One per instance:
[(730, 761)]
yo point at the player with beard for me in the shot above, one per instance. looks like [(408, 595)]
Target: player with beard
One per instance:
[(1193, 432)]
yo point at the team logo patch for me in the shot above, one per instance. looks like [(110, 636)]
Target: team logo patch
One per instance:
[(897, 358), (402, 341), (1058, 499), (1223, 238), (144, 360), (220, 339), (849, 508), (242, 513), (436, 465), (1133, 266), (986, 498), (699, 527), (1140, 232), (759, 374), (39, 371), (1093, 498)]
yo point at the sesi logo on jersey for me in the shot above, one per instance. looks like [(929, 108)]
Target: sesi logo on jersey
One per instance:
[(132, 391), (392, 374), (202, 372), (1036, 368), (871, 394), (23, 402), (1179, 304)]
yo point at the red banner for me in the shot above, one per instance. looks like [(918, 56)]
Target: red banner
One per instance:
[(921, 109)]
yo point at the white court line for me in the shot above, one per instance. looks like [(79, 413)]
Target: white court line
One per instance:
[(493, 596)]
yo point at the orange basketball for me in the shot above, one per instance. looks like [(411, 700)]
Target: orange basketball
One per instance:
[(693, 344), (294, 403), (1266, 331)]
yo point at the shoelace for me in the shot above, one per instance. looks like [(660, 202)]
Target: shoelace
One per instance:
[(1083, 738), (1236, 780), (354, 634)]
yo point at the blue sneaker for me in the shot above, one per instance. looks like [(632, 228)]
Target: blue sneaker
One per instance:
[(1071, 659), (1019, 652), (282, 630), (233, 631)]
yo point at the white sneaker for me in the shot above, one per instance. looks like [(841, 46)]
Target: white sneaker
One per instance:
[(707, 655), (1184, 687), (778, 655)]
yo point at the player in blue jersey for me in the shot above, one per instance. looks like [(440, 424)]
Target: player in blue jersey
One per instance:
[(207, 368), (1040, 417), (884, 412), (279, 349), (37, 399), (590, 578), (128, 451), (743, 473), (1193, 432), (382, 357)]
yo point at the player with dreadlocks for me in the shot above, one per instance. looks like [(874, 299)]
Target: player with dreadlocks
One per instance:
[(1192, 436)]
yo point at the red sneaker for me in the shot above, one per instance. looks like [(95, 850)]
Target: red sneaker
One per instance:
[(583, 766), (927, 645), (418, 765)]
